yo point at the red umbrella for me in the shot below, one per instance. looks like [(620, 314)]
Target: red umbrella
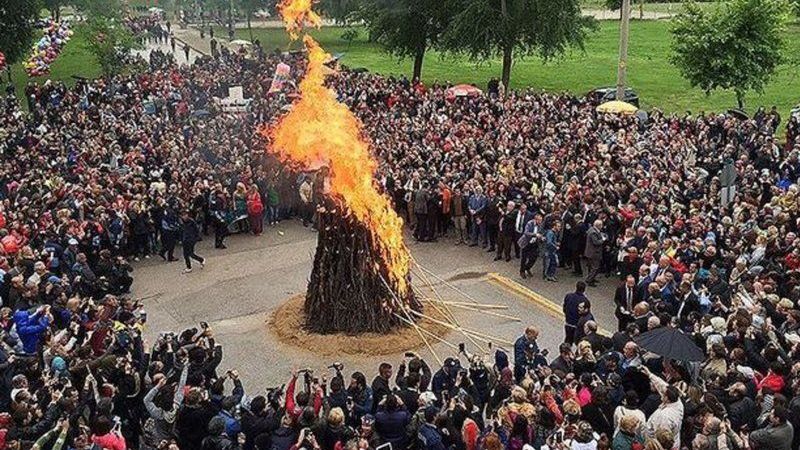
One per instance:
[(463, 90)]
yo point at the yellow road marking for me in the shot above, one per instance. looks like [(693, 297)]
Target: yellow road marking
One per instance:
[(521, 291)]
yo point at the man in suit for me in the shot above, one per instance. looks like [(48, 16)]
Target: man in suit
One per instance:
[(521, 218), (687, 301), (571, 313), (506, 235), (477, 211), (421, 212), (625, 299), (593, 252), (644, 281), (529, 243)]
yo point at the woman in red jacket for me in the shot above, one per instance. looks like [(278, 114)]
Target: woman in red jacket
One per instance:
[(255, 210)]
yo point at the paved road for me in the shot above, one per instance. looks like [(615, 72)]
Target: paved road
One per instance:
[(242, 285), (180, 56)]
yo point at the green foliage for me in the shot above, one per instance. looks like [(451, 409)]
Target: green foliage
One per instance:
[(613, 5), (406, 28), (341, 11), (99, 8), (735, 47), (16, 27), (248, 7), (547, 28), (110, 43), (349, 35)]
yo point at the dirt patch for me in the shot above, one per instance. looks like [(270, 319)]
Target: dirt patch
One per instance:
[(467, 276), (286, 323)]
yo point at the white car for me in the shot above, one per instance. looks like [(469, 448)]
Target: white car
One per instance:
[(262, 14)]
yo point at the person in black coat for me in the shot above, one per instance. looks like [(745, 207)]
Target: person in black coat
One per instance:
[(191, 423), (625, 298), (170, 224), (507, 234), (256, 421), (189, 236)]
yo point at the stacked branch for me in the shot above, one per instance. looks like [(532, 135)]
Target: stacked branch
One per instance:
[(347, 292)]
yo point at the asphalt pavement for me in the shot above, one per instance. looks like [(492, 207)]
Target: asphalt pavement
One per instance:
[(242, 285)]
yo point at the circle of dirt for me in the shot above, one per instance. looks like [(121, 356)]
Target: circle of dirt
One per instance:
[(286, 323)]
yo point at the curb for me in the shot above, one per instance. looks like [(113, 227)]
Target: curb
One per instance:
[(551, 307), (528, 294)]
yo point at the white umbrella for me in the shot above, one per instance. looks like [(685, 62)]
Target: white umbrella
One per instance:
[(240, 43)]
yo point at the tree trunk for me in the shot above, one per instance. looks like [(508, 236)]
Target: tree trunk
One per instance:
[(349, 290), (740, 99), (249, 27), (419, 56), (507, 60)]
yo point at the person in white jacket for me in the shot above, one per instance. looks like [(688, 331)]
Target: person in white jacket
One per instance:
[(669, 414)]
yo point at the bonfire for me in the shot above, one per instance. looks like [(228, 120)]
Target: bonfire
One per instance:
[(360, 279)]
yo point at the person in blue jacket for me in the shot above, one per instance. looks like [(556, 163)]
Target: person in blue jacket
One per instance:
[(31, 327)]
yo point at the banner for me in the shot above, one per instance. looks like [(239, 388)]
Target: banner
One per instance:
[(280, 77)]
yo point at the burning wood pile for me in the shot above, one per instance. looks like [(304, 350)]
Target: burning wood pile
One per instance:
[(360, 280)]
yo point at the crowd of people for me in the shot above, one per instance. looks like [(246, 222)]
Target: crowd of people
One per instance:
[(128, 167)]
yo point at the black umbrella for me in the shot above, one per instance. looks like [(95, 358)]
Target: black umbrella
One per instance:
[(670, 343), (738, 113)]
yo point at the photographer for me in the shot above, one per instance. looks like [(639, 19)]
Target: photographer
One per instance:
[(360, 397), (391, 421), (415, 365), (380, 385), (257, 420), (524, 346), (296, 403)]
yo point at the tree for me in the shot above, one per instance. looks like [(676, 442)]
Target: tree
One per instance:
[(483, 29), (110, 43), (99, 8), (343, 12), (406, 28), (17, 19), (737, 46), (54, 6), (250, 7)]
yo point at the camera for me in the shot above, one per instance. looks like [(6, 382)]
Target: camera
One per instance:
[(274, 396), (337, 366)]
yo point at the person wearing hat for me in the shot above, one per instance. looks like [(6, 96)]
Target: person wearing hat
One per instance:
[(445, 378)]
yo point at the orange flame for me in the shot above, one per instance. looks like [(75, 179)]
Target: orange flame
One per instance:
[(321, 131), (296, 14)]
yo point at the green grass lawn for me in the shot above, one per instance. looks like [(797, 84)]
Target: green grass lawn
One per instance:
[(658, 83), (667, 7), (74, 60)]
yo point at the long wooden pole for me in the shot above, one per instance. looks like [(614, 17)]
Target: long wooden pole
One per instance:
[(416, 327), (622, 66)]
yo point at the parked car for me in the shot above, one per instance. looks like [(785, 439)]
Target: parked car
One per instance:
[(606, 94)]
